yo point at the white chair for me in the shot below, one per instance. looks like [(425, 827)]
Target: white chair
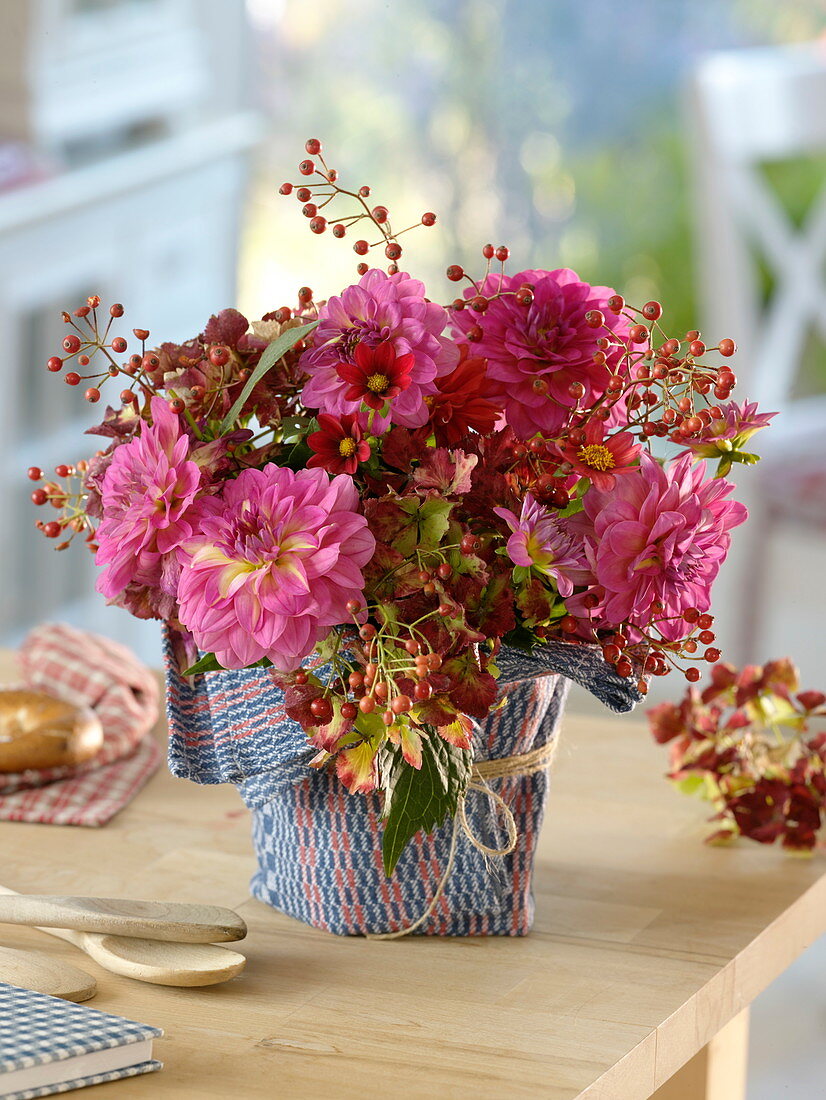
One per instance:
[(747, 108)]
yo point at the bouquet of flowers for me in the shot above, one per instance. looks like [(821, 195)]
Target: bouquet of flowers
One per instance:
[(371, 494), (754, 745)]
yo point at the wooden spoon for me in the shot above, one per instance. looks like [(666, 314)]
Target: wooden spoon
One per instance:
[(34, 970), (176, 922), (182, 964)]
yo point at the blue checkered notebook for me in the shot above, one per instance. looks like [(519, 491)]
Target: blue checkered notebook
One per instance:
[(49, 1045)]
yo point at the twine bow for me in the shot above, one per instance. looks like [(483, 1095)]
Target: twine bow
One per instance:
[(504, 767)]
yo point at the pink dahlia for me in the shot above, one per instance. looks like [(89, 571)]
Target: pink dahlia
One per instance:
[(537, 351), (272, 565), (539, 541), (146, 496), (661, 535), (379, 308)]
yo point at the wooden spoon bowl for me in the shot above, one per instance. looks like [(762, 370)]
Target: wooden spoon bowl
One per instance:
[(157, 962), (34, 970)]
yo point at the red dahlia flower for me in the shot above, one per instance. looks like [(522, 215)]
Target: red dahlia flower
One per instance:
[(600, 459), (465, 401), (377, 375), (339, 444)]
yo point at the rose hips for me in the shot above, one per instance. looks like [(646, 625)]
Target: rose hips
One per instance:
[(322, 709)]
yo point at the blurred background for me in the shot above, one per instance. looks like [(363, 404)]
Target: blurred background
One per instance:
[(673, 149)]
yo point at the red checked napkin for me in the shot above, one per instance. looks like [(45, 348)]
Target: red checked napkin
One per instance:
[(84, 669)]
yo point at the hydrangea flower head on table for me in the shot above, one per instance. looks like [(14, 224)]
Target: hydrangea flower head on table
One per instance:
[(370, 492)]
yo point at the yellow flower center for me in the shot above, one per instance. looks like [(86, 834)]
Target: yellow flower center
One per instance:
[(597, 456), (378, 383), (347, 447)]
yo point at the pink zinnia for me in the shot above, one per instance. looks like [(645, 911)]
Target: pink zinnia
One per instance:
[(272, 565), (548, 343), (539, 541), (146, 496), (660, 534), (380, 308)]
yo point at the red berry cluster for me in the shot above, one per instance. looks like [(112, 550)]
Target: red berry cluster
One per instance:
[(393, 666), (480, 303), (66, 499), (321, 187), (89, 340)]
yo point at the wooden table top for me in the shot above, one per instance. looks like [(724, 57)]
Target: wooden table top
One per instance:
[(646, 943)]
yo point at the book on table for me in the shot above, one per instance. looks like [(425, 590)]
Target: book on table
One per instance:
[(48, 1045)]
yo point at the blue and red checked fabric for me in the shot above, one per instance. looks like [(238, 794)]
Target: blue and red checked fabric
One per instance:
[(319, 847)]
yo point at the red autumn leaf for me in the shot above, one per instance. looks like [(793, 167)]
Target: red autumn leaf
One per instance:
[(458, 732), (535, 602), (297, 700), (666, 722), (226, 327), (448, 472), (356, 767), (436, 711), (811, 700), (400, 448), (472, 691)]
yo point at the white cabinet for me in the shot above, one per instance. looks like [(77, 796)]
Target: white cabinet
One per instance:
[(139, 105)]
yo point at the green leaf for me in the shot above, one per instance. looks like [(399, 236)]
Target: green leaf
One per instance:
[(272, 353), (209, 663), (371, 727), (421, 799), (298, 456), (521, 638), (434, 517)]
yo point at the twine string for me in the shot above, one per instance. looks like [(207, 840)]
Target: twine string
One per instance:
[(503, 767)]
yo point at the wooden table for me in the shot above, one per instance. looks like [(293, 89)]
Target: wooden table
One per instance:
[(647, 951)]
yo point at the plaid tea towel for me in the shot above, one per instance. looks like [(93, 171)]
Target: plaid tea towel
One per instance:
[(84, 669)]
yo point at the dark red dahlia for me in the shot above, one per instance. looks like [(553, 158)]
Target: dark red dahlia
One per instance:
[(339, 444), (377, 375)]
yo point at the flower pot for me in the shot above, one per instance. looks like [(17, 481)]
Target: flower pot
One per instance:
[(319, 847)]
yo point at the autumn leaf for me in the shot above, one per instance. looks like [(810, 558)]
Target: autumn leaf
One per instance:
[(356, 768), (472, 691), (448, 472)]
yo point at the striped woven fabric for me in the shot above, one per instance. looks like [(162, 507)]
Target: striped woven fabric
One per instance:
[(319, 847)]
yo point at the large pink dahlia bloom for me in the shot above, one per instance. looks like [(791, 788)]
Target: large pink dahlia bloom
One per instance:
[(549, 341), (377, 309), (272, 565), (662, 534), (146, 498)]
